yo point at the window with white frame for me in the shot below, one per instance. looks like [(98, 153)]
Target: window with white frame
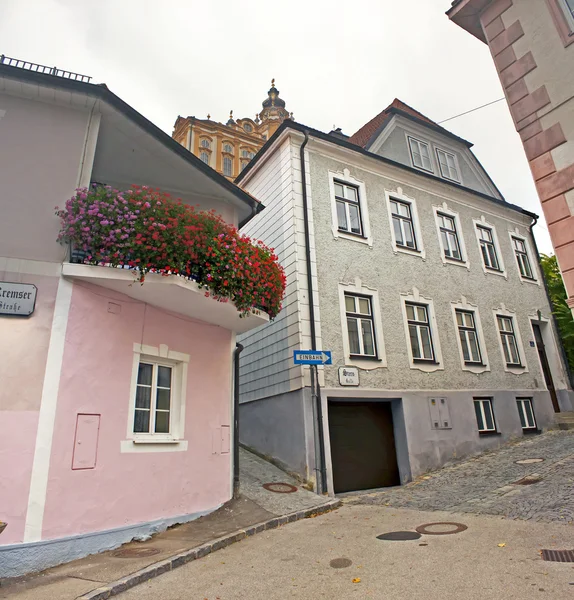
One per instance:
[(420, 154), (568, 9), (204, 156), (468, 336), (348, 208), (526, 413), (227, 166), (360, 325), (153, 399), (243, 164), (205, 144), (508, 340), (228, 148), (420, 334), (449, 236), (403, 224), (247, 154), (522, 259), (484, 415), (488, 248), (447, 164)]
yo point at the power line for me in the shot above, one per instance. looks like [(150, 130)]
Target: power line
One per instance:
[(472, 110)]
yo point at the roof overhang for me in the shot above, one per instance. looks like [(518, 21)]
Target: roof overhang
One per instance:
[(466, 14)]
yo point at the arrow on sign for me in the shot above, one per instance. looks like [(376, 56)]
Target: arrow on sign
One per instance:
[(312, 357)]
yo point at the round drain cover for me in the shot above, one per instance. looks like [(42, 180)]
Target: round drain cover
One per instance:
[(442, 528), (399, 536), (529, 461), (135, 552), (341, 563), (280, 488)]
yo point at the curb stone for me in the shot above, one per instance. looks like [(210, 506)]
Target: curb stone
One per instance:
[(125, 583)]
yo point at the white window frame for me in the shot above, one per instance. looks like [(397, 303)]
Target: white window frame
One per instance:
[(422, 365), (202, 154), (370, 317), (438, 150), (345, 178), (485, 400), (159, 442), (568, 16), (223, 163), (473, 308), (516, 369), (486, 225), (367, 362), (411, 138), (399, 196), (520, 402), (536, 278), (231, 148), (205, 143), (443, 209)]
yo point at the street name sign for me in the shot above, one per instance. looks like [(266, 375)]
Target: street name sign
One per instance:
[(312, 357), (17, 299)]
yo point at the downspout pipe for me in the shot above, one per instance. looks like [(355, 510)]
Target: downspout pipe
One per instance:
[(554, 320), (236, 353), (311, 297)]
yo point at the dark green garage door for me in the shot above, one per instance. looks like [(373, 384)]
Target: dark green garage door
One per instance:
[(363, 454)]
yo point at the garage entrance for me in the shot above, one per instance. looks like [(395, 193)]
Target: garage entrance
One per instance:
[(363, 454)]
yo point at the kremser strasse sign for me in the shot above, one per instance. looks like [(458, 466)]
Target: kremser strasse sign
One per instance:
[(17, 299)]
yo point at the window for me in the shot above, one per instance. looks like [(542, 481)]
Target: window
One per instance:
[(484, 415), (568, 9), (205, 144), (447, 163), (449, 237), (204, 156), (360, 325), (403, 224), (420, 153), (228, 148), (508, 339), (348, 208), (468, 336), (153, 398), (247, 154), (227, 167), (247, 127), (243, 164), (420, 331), (487, 248), (522, 257), (526, 413)]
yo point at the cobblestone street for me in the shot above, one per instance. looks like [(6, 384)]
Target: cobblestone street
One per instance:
[(486, 484)]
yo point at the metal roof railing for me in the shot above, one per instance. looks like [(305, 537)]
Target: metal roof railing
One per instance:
[(29, 66)]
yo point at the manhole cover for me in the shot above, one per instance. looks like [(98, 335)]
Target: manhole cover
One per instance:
[(280, 488), (135, 552), (341, 563), (529, 461), (441, 528), (399, 536), (558, 555), (527, 481)]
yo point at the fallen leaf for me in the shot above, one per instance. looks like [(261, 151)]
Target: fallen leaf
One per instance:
[(501, 545), (357, 580)]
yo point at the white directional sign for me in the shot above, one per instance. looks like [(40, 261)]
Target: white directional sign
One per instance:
[(17, 299)]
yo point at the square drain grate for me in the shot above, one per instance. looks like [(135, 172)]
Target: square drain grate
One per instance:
[(558, 555)]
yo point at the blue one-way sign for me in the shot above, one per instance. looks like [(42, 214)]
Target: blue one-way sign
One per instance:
[(312, 357)]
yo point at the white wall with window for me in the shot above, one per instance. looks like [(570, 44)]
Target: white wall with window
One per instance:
[(421, 332), (406, 235), (349, 209), (361, 326), (471, 343), (525, 262), (489, 248), (484, 415), (510, 341), (451, 240), (156, 417)]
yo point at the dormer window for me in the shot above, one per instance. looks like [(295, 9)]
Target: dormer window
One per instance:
[(420, 154), (447, 163)]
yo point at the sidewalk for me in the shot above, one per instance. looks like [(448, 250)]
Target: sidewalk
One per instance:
[(103, 575)]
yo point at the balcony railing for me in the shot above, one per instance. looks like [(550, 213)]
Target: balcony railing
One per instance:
[(29, 66)]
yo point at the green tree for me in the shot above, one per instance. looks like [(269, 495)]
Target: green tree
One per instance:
[(561, 309)]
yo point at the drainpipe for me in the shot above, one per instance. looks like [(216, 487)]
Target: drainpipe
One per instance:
[(554, 320), (236, 353), (322, 483)]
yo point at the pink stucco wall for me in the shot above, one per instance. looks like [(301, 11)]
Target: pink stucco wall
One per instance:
[(23, 351), (129, 488)]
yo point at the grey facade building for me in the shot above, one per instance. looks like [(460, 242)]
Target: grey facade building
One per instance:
[(425, 285)]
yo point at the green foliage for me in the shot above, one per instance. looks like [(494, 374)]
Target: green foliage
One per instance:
[(561, 309)]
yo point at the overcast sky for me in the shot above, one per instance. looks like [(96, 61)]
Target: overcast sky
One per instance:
[(335, 63)]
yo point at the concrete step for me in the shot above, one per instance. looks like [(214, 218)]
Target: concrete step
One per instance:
[(564, 420)]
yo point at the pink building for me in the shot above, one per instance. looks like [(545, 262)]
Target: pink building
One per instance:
[(83, 348), (532, 45)]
